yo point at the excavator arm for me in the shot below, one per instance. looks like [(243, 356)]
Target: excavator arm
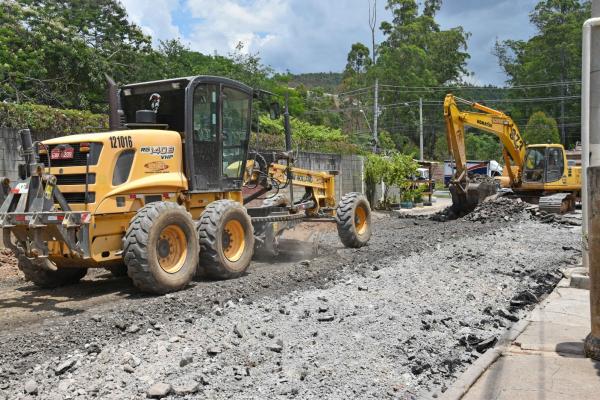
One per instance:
[(465, 194)]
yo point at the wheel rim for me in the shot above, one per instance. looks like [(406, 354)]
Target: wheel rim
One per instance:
[(172, 249), (234, 240), (360, 220)]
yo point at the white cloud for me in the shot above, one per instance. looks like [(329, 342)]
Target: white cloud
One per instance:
[(154, 17), (258, 24), (316, 35)]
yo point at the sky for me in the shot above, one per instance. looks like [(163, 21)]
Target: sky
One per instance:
[(316, 35)]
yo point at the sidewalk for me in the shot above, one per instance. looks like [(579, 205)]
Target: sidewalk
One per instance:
[(545, 361), (440, 204)]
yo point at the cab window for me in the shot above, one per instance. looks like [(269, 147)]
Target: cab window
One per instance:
[(534, 170), (236, 108), (556, 164), (205, 123)]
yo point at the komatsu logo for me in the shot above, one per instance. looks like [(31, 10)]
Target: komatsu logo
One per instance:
[(484, 123)]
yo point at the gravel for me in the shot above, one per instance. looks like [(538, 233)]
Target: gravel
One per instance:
[(400, 318)]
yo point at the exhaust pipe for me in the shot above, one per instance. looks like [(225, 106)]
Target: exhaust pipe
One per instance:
[(27, 152), (115, 112)]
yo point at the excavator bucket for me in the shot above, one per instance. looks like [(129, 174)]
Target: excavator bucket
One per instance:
[(465, 201)]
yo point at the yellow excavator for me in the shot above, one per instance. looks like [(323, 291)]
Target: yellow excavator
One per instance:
[(537, 173)]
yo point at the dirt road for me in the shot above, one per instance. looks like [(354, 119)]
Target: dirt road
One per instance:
[(400, 318)]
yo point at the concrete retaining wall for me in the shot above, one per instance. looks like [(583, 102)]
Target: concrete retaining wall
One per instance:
[(349, 169), (9, 150)]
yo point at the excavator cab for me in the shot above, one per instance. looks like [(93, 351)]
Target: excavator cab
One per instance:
[(543, 164)]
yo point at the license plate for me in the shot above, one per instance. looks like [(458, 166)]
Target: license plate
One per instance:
[(62, 154)]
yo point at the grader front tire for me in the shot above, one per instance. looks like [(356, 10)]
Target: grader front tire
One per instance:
[(160, 248), (353, 220), (226, 239), (47, 279)]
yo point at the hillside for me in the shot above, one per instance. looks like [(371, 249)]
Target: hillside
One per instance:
[(327, 80)]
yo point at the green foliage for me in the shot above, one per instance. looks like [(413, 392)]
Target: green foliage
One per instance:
[(396, 170), (483, 146), (541, 129), (479, 146), (302, 130), (375, 167), (359, 62), (50, 120), (305, 136), (416, 51), (56, 52), (400, 170), (553, 54), (386, 143)]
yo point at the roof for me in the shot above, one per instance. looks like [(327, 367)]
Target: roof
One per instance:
[(189, 79)]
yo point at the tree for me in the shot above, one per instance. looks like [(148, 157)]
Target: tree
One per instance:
[(552, 55), (415, 51), (59, 50), (359, 61), (541, 129)]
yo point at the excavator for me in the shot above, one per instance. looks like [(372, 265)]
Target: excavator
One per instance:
[(537, 173)]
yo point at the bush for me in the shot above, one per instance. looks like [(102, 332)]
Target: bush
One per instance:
[(50, 120), (305, 136), (394, 170)]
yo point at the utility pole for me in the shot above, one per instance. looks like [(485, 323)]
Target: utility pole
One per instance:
[(373, 26), (421, 128), (590, 132), (562, 100), (375, 115)]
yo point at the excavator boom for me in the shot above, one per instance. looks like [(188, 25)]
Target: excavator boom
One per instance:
[(466, 194)]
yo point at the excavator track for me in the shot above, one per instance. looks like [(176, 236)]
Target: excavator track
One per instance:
[(559, 203)]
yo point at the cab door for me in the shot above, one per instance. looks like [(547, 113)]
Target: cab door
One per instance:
[(205, 135), (235, 132), (555, 164), (217, 132)]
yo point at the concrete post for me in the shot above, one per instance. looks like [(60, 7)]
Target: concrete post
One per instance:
[(422, 157), (592, 342), (595, 89), (591, 189), (376, 116)]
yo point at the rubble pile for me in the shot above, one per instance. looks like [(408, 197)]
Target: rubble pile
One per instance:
[(497, 208), (492, 209), (551, 218)]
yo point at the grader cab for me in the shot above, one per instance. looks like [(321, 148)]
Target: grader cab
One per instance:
[(163, 196)]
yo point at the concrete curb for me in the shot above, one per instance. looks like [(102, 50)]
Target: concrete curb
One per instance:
[(580, 278), (468, 378)]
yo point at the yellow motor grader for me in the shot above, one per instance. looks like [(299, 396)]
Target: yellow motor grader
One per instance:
[(163, 196)]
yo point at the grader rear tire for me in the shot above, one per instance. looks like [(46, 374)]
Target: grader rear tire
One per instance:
[(226, 239), (353, 218), (47, 279), (160, 248)]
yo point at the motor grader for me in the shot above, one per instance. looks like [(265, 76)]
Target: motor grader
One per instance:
[(164, 195), (537, 173)]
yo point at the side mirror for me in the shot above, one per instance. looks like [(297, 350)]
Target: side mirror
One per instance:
[(274, 111)]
